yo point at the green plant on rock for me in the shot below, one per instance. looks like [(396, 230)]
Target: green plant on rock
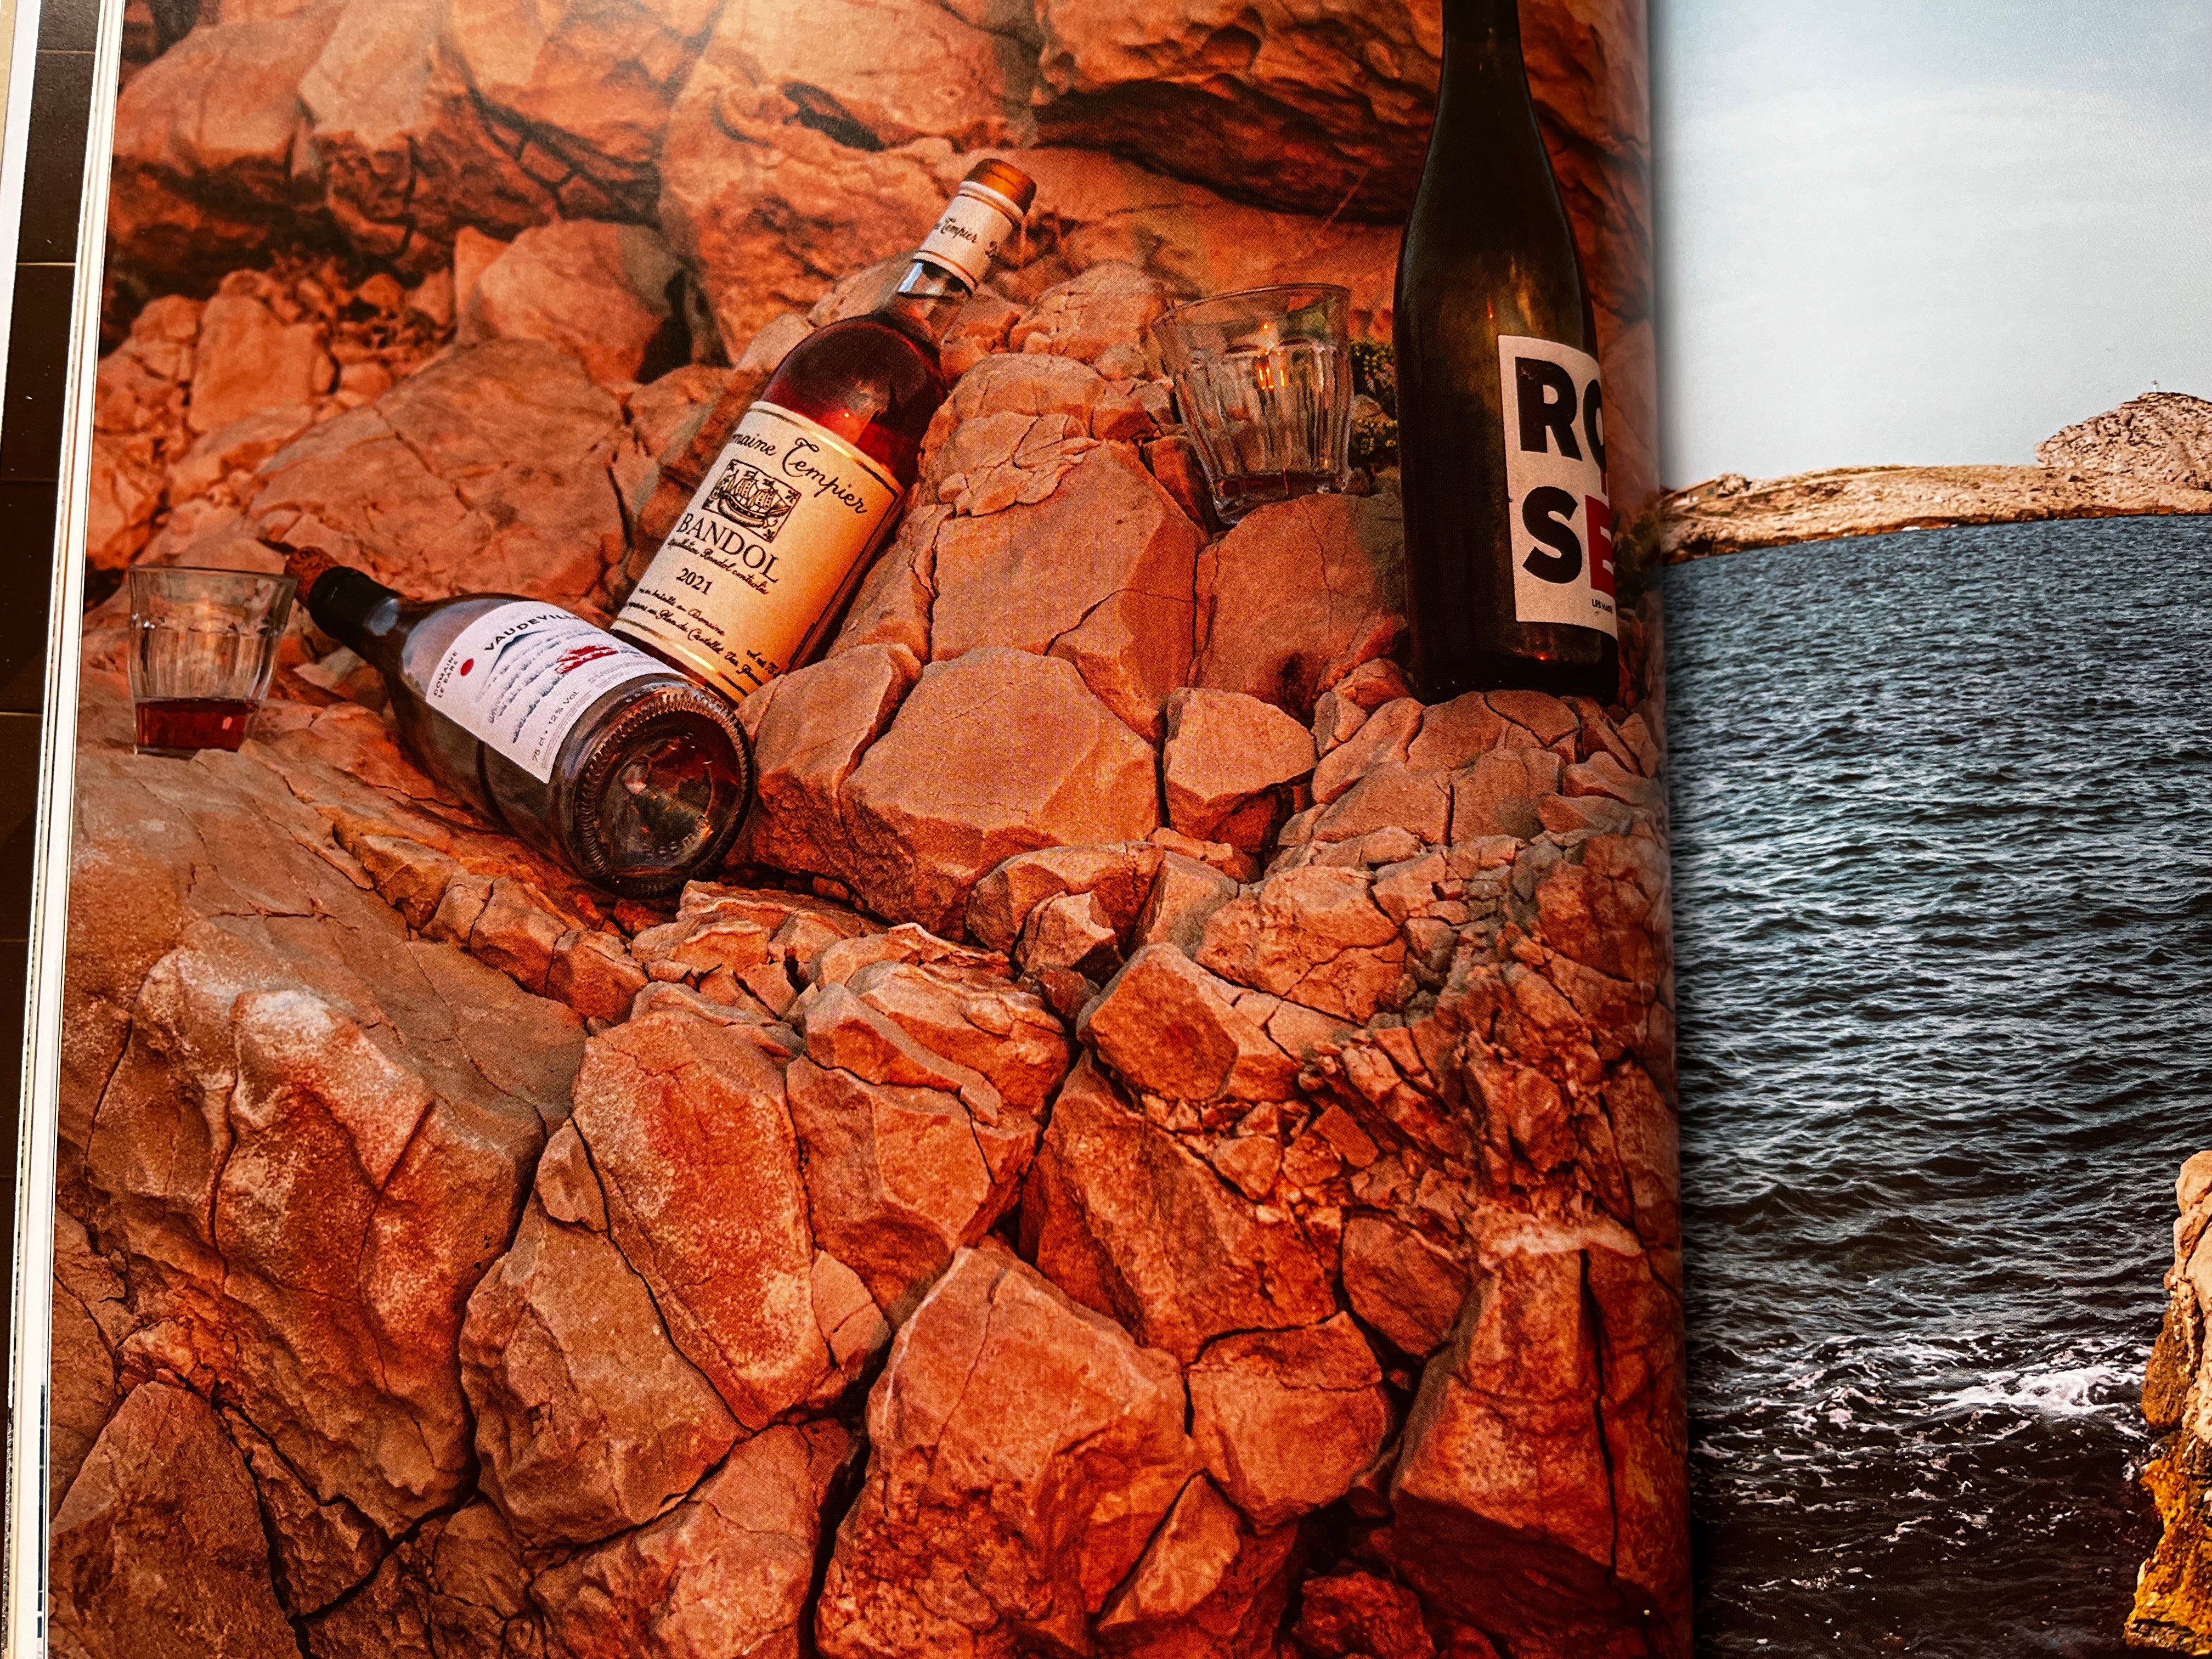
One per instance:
[(1374, 409)]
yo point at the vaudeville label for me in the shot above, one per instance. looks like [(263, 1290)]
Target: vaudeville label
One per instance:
[(742, 585), (1559, 514), (520, 678)]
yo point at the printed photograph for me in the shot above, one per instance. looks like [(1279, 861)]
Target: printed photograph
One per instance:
[(870, 840)]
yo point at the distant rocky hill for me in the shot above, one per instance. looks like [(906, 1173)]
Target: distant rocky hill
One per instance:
[(2162, 436), (2151, 455)]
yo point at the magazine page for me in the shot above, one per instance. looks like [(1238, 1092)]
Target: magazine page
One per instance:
[(870, 840), (1936, 666)]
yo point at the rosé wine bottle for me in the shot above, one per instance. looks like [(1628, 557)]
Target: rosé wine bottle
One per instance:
[(761, 565)]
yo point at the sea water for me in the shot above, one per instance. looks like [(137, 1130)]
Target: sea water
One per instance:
[(1943, 850)]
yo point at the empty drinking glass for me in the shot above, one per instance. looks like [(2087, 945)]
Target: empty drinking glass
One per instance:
[(202, 643), (1264, 378)]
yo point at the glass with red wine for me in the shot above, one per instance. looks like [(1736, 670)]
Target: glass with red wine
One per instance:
[(202, 643)]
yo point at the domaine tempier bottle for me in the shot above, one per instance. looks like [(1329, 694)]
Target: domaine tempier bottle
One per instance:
[(781, 529), (586, 748), (1508, 529)]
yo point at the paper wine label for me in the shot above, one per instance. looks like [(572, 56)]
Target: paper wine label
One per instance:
[(1558, 512), (751, 573), (520, 678)]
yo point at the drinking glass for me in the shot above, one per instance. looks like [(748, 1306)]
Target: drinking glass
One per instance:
[(202, 643), (1264, 378)]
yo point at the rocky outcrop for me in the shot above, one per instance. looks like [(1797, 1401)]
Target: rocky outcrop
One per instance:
[(2173, 1592), (1160, 1145), (2162, 437), (2151, 455), (1732, 513)]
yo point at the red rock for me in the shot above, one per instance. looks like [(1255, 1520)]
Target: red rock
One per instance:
[(1546, 717), (1222, 751), (1313, 935), (126, 489), (1184, 894), (1012, 429), (1169, 1028), (599, 291), (248, 361), (1207, 1588), (158, 1547), (895, 1179), (1500, 793), (1401, 1284), (408, 160), (876, 76), (1319, 110), (322, 1549), (1120, 876), (1452, 734), (1385, 735), (456, 1586), (810, 729), (1391, 796), (1601, 775), (1023, 1450), (1287, 1420), (1541, 1490), (1193, 238), (1099, 573), (994, 754), (687, 1129), (1288, 600), (1125, 1220), (486, 472), (761, 206), (1103, 316), (974, 1019), (90, 1317), (589, 1419), (1357, 1613), (330, 1321), (204, 139), (242, 445), (590, 85), (726, 1571), (1071, 934)]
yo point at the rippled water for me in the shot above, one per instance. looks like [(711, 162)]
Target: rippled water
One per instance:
[(1944, 880)]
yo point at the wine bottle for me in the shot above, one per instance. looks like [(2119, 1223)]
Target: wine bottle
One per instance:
[(1501, 418), (589, 750), (782, 527)]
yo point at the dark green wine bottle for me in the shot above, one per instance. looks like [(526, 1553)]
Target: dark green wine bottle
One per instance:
[(1508, 529)]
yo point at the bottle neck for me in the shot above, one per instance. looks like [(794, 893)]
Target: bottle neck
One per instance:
[(1482, 45), (357, 612), (926, 300)]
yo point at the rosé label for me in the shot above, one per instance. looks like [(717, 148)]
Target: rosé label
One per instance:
[(765, 556), (520, 678), (1557, 506)]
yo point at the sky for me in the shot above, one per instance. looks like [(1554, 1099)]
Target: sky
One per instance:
[(1931, 233)]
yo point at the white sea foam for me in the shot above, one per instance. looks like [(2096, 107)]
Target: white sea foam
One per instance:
[(2060, 1391)]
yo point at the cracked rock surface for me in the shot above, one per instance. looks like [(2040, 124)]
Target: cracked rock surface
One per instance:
[(1158, 1144), (2173, 1592)]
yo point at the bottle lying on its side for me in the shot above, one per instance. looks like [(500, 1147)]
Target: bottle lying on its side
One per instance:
[(787, 519), (588, 748)]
